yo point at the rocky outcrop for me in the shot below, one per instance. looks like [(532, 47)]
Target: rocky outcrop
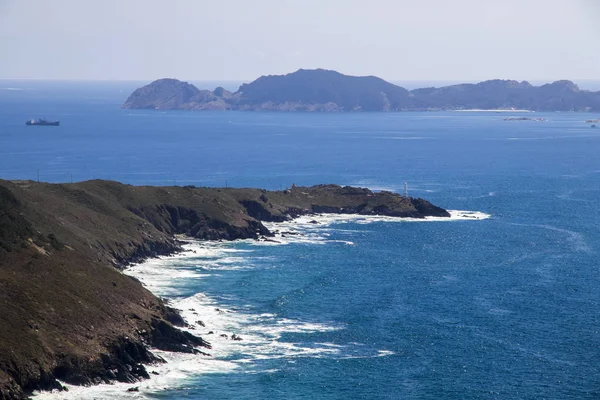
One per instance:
[(122, 362), (191, 222), (163, 94), (73, 316), (164, 336), (329, 91)]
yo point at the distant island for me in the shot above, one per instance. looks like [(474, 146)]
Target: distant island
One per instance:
[(330, 91), (524, 119), (71, 316)]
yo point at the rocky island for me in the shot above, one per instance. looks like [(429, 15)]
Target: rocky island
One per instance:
[(330, 91), (68, 312), (525, 119)]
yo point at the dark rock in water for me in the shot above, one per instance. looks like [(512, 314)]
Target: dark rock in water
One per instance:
[(425, 208), (133, 389), (154, 373), (313, 222), (266, 239), (235, 337), (123, 364), (210, 333), (196, 351), (223, 335), (200, 323), (173, 316), (165, 337), (524, 119), (125, 376)]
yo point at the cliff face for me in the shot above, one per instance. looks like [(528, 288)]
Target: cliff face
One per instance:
[(67, 312), (330, 91)]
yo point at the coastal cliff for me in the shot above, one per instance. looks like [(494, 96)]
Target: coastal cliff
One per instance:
[(67, 311), (330, 91)]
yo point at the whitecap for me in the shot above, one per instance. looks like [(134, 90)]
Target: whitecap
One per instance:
[(318, 220), (262, 334), (576, 239)]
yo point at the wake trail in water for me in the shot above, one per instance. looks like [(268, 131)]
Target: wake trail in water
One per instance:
[(576, 239)]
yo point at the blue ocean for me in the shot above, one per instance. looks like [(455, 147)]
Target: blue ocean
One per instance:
[(505, 307)]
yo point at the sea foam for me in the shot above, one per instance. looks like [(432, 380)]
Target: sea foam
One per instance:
[(260, 333)]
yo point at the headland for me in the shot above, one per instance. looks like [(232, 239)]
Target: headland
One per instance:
[(70, 315)]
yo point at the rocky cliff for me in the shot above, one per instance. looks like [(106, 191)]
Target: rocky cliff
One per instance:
[(330, 91), (66, 310)]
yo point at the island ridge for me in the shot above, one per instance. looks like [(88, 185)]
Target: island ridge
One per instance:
[(329, 91)]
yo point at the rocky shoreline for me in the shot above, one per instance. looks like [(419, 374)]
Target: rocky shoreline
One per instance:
[(330, 91), (71, 315)]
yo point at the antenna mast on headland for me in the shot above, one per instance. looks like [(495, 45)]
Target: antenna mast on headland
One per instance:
[(405, 189)]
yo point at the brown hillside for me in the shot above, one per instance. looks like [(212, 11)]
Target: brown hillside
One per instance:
[(66, 310)]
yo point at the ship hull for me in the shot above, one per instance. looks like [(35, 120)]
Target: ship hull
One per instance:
[(54, 123)]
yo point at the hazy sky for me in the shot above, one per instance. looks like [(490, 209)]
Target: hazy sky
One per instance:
[(243, 39)]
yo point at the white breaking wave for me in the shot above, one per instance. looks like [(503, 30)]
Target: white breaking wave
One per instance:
[(174, 372), (260, 333), (309, 228), (314, 229)]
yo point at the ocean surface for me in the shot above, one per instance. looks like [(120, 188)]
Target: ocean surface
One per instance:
[(505, 307)]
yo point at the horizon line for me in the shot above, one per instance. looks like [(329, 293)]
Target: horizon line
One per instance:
[(474, 80)]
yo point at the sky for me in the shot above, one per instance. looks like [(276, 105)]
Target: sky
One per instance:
[(398, 40)]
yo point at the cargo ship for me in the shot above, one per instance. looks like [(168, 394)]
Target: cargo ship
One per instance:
[(42, 122)]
